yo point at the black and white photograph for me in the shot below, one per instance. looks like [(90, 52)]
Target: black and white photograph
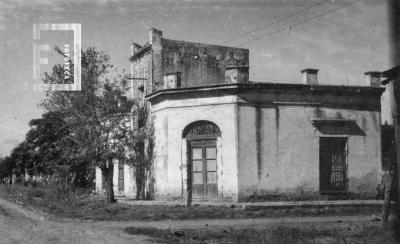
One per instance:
[(200, 121)]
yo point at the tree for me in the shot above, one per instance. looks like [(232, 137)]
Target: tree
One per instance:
[(98, 116), (51, 137), (23, 156), (6, 166)]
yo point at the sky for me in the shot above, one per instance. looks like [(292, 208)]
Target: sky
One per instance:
[(342, 43)]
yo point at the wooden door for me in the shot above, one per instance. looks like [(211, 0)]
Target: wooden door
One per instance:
[(204, 169), (333, 165)]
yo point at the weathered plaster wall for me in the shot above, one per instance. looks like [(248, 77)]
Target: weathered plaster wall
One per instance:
[(247, 165), (200, 64), (170, 119), (99, 181), (289, 152), (141, 71), (115, 179), (129, 181)]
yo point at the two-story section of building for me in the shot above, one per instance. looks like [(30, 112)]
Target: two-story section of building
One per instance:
[(220, 137)]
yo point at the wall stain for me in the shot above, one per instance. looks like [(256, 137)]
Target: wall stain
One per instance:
[(319, 114), (339, 115), (277, 118), (258, 138)]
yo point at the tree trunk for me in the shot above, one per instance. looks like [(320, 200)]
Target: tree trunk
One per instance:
[(140, 181), (10, 179), (386, 204), (108, 173)]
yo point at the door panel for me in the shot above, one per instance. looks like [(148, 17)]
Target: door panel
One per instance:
[(333, 165), (204, 169), (211, 152), (197, 153), (197, 165), (198, 178), (211, 177), (211, 165), (197, 175)]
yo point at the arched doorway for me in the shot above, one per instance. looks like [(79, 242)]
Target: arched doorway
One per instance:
[(201, 137)]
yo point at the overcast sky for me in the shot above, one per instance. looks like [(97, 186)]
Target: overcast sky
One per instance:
[(343, 44)]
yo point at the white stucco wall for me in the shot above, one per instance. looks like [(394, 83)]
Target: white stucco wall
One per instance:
[(290, 150), (99, 181), (115, 179), (129, 181), (170, 119)]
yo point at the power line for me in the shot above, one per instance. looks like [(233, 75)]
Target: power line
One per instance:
[(274, 22), (299, 23)]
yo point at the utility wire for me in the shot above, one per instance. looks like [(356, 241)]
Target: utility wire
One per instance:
[(275, 22), (299, 23)]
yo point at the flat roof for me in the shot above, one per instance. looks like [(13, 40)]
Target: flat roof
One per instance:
[(280, 87)]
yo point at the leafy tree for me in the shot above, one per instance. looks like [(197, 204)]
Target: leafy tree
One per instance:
[(23, 155), (44, 134), (98, 116), (6, 166), (54, 147)]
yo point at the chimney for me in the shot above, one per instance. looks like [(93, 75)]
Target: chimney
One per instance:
[(373, 78), (134, 48), (310, 76), (155, 36)]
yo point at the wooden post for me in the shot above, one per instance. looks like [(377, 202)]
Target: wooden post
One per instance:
[(387, 181), (394, 91), (397, 139), (189, 176), (189, 187)]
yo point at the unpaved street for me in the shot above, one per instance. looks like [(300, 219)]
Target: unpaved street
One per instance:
[(18, 225)]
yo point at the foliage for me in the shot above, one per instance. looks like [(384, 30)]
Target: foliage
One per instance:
[(81, 130), (6, 166), (98, 117)]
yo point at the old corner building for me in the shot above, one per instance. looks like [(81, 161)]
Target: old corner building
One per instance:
[(239, 140)]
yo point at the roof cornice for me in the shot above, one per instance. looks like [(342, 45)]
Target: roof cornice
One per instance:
[(277, 87)]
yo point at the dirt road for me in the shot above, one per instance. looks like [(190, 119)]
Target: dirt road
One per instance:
[(19, 225)]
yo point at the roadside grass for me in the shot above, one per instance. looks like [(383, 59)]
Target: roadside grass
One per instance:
[(323, 233), (81, 204)]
